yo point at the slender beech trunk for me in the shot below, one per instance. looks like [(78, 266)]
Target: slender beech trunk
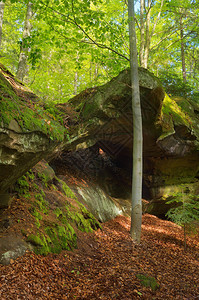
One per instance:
[(184, 74), (22, 66), (136, 212), (2, 4)]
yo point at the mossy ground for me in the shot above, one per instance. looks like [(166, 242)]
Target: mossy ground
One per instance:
[(48, 214)]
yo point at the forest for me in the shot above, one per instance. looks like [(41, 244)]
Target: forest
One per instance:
[(99, 149)]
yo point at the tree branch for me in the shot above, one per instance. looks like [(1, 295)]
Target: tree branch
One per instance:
[(92, 41)]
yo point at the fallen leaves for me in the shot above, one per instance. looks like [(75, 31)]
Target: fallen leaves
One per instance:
[(106, 266)]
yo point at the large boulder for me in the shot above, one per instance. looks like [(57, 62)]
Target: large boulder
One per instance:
[(170, 133)]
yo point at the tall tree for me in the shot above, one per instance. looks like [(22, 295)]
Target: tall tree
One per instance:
[(184, 75), (2, 4), (22, 66), (136, 213), (147, 30)]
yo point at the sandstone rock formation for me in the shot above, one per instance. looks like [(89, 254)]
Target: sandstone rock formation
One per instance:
[(25, 132), (170, 136)]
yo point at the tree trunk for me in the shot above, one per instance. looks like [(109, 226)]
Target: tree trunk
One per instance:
[(96, 72), (22, 66), (184, 74), (2, 4), (148, 38), (142, 39), (136, 213), (75, 83), (145, 33)]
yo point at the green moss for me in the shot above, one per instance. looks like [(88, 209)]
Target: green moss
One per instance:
[(43, 178), (67, 191), (58, 212), (35, 240), (30, 175), (35, 213), (30, 116), (84, 220), (62, 237), (170, 107), (178, 111), (41, 203), (93, 223), (22, 186), (148, 281), (37, 223), (56, 238)]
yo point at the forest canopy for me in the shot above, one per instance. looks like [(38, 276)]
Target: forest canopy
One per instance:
[(71, 45)]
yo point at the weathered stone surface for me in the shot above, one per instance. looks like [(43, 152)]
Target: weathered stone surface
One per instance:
[(11, 247), (19, 152), (27, 132), (170, 132), (44, 171), (5, 200)]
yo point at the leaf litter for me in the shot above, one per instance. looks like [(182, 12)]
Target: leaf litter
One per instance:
[(107, 265)]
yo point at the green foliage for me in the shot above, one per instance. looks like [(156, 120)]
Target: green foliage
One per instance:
[(67, 191), (31, 116), (83, 219), (186, 211), (174, 85), (35, 213), (59, 238), (148, 281), (41, 203), (89, 217), (90, 38), (35, 240), (44, 178), (22, 187), (58, 212)]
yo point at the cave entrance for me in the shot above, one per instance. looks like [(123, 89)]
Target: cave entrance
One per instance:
[(98, 165)]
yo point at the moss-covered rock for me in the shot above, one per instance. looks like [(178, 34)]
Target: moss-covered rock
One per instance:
[(55, 213), (28, 132), (170, 133)]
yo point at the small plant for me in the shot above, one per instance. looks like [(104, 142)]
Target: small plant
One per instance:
[(148, 281), (58, 212), (43, 178), (22, 186), (41, 203), (186, 212)]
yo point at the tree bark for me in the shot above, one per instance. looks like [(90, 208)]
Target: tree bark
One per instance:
[(184, 74), (148, 37), (75, 83), (142, 39), (136, 212), (2, 4), (22, 65), (145, 33)]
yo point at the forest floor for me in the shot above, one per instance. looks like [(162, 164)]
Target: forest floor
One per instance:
[(105, 266)]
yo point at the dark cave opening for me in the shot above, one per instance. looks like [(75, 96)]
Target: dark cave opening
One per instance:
[(111, 172)]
